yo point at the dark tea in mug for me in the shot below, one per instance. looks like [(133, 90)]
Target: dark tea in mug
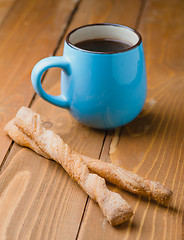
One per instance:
[(103, 45)]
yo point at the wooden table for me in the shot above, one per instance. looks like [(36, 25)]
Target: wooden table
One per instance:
[(38, 200)]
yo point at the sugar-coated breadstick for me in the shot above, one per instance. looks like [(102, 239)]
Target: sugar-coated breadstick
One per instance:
[(113, 206), (129, 181)]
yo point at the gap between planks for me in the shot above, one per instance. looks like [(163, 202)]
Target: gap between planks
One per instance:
[(87, 200), (139, 17), (141, 10)]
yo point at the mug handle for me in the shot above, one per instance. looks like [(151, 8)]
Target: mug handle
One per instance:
[(36, 75)]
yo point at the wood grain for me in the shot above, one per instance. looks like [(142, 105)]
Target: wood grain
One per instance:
[(83, 139), (31, 31), (40, 199), (152, 145), (5, 8)]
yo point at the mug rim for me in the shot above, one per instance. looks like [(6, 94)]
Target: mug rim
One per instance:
[(102, 24)]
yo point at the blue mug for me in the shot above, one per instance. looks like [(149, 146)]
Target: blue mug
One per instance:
[(101, 89)]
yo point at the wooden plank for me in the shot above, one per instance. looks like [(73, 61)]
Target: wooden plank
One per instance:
[(32, 209), (152, 145), (31, 31), (5, 8), (88, 141)]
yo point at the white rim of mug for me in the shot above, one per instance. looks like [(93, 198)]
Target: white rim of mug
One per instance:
[(102, 24)]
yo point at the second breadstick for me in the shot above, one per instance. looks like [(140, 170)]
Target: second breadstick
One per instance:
[(113, 206), (129, 180)]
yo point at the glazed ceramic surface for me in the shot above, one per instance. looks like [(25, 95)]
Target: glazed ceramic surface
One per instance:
[(101, 90)]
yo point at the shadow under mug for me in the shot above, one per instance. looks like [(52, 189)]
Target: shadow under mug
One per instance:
[(102, 90)]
